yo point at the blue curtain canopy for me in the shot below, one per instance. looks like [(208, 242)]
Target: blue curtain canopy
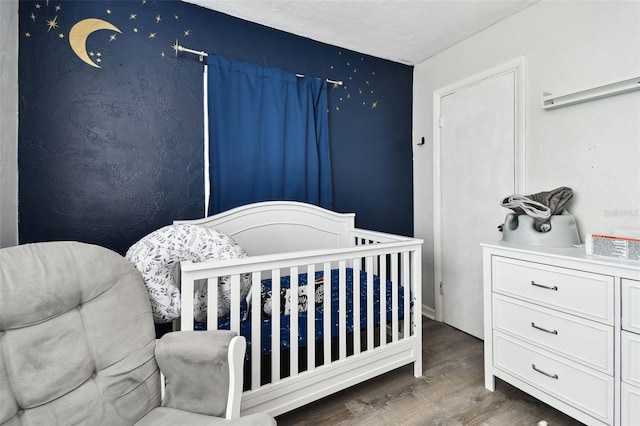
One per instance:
[(268, 133)]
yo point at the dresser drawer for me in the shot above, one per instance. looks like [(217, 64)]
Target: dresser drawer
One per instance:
[(631, 305), (630, 407), (631, 358), (583, 388), (580, 293), (587, 342)]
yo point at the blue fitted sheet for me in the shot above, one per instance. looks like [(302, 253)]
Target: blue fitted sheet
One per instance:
[(245, 324)]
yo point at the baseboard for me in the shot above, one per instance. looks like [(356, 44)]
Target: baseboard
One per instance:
[(428, 312)]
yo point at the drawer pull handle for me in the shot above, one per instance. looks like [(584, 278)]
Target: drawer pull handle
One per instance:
[(553, 376), (546, 330), (548, 287)]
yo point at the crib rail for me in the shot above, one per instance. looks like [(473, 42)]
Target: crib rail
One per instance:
[(301, 374)]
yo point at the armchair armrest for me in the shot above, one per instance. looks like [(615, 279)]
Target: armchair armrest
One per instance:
[(203, 371)]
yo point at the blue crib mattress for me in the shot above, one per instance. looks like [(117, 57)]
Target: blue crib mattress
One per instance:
[(285, 318)]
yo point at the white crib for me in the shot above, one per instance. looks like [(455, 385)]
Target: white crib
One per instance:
[(290, 239)]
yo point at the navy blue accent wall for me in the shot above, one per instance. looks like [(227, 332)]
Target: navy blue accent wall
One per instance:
[(110, 137)]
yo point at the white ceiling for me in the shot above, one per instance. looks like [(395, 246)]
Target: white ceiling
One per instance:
[(405, 31)]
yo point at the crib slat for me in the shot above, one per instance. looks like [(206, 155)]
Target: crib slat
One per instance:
[(326, 312), (394, 297), (383, 300), (342, 309), (235, 303), (256, 338), (186, 313), (416, 311), (311, 317), (293, 321), (376, 266), (356, 306), (275, 325), (406, 275), (370, 318)]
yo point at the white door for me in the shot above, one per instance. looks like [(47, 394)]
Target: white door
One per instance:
[(477, 142)]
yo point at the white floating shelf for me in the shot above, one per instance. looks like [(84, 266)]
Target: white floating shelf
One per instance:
[(550, 101)]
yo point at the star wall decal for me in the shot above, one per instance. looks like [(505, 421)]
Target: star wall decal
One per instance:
[(361, 83), (136, 19), (52, 23), (76, 33)]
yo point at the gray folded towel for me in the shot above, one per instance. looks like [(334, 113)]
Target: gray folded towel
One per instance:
[(555, 199), (541, 206)]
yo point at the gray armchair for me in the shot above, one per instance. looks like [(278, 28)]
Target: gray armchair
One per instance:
[(78, 347)]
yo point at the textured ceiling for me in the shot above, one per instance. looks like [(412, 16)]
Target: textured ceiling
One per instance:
[(405, 31)]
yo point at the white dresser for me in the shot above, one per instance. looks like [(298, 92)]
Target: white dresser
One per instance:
[(565, 328), (630, 408)]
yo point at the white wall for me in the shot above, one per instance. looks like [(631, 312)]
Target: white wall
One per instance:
[(8, 123), (593, 147)]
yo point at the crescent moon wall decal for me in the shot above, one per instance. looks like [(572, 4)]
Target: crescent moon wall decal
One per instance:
[(81, 31)]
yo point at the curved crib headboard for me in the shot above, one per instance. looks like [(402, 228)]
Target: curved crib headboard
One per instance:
[(282, 226)]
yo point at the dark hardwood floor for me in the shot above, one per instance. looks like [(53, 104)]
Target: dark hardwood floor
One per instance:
[(450, 393)]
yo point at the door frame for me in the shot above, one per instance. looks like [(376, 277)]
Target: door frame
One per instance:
[(517, 66)]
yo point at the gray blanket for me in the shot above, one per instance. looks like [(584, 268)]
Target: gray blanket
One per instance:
[(541, 206)]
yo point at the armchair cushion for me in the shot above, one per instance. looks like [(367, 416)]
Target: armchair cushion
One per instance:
[(196, 369), (76, 336)]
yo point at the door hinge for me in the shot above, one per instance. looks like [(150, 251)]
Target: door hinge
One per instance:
[(441, 290), (440, 122)]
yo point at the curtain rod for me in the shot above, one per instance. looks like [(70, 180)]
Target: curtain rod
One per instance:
[(195, 52), (204, 54), (338, 82)]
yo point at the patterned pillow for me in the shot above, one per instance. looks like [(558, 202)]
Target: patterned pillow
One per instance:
[(156, 255)]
